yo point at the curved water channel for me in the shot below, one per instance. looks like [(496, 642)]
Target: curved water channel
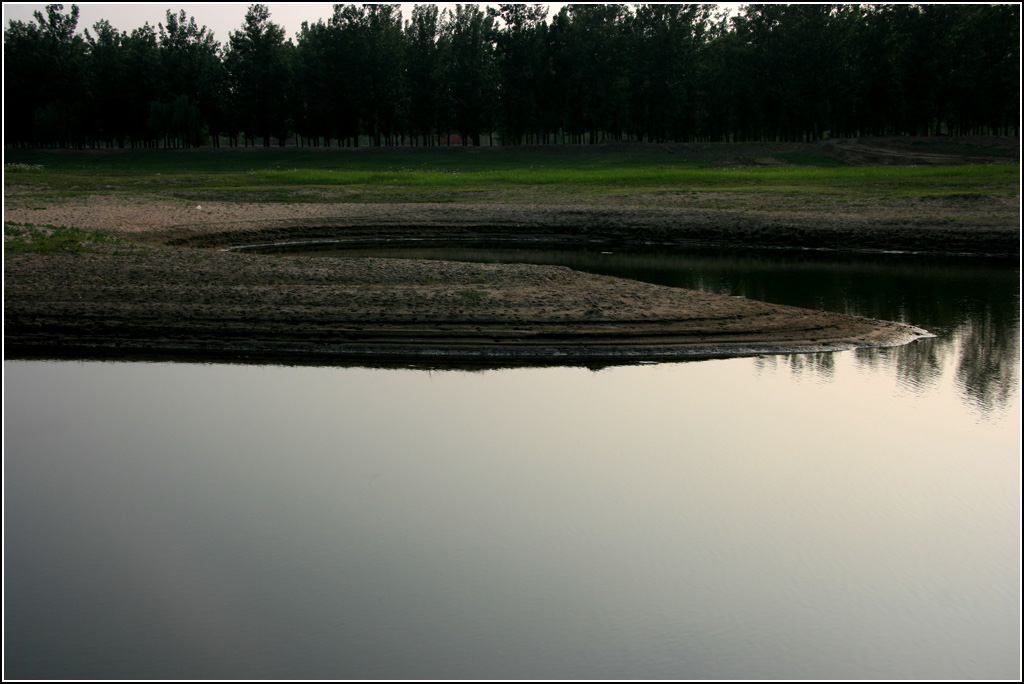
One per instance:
[(844, 515)]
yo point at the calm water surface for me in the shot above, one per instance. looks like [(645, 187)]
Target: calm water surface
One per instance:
[(850, 515)]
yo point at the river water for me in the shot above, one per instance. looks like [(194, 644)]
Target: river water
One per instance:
[(852, 515)]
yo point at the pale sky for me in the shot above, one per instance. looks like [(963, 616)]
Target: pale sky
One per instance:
[(221, 18)]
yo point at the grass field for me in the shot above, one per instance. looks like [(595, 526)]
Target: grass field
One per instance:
[(486, 174)]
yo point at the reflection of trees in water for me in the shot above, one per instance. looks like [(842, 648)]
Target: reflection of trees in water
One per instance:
[(973, 305), (983, 352), (821, 365), (918, 365), (988, 365)]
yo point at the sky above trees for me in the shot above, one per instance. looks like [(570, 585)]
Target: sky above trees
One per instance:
[(221, 18)]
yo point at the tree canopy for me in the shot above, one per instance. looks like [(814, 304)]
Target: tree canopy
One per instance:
[(511, 74)]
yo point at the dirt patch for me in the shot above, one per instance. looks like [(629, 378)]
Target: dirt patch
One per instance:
[(923, 151), (173, 289), (957, 225), (194, 301)]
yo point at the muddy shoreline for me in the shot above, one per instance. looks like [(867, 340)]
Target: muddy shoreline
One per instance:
[(171, 288), (200, 302), (976, 226)]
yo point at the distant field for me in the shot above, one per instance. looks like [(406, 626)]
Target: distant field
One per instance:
[(491, 174)]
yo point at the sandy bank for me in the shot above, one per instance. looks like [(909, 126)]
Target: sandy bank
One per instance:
[(228, 304), (989, 226)]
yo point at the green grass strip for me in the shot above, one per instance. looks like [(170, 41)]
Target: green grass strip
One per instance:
[(21, 238)]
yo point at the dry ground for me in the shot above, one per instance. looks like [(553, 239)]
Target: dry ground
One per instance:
[(173, 289)]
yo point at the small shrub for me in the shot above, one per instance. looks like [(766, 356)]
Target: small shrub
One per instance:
[(472, 295)]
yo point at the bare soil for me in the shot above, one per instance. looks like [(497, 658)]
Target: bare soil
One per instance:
[(174, 289), (965, 225), (216, 302)]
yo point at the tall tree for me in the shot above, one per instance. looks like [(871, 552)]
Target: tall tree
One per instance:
[(423, 71), (349, 72), (193, 70), (666, 44), (590, 65), (317, 95), (519, 62), (109, 101), (383, 68), (258, 66), (467, 43), (45, 78)]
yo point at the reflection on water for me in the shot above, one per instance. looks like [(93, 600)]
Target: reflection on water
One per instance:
[(987, 367), (848, 515), (971, 304), (797, 517), (985, 376)]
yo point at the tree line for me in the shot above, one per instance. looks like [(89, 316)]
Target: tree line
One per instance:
[(512, 75)]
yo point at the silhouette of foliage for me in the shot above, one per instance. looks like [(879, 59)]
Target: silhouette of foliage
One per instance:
[(511, 74)]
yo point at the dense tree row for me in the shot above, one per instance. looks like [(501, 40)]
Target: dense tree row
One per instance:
[(510, 74)]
